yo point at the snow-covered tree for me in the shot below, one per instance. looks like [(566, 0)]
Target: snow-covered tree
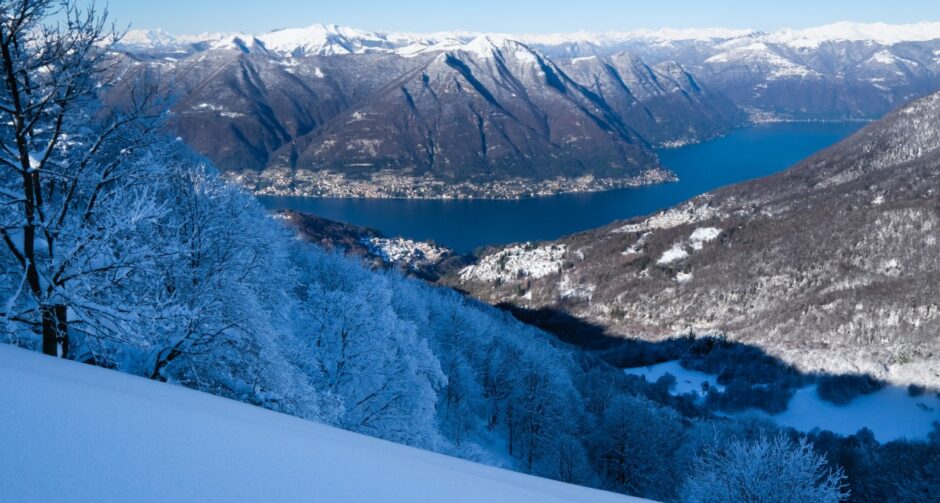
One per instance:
[(74, 175), (225, 285), (364, 354), (638, 440), (766, 470)]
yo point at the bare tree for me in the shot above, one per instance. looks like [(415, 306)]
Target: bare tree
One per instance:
[(71, 179)]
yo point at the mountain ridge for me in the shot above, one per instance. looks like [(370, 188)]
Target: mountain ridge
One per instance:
[(324, 39), (337, 112)]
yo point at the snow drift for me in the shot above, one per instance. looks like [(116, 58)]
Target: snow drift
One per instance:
[(73, 432)]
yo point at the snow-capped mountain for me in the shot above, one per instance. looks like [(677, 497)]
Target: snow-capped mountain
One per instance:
[(878, 33), (330, 110), (321, 39), (491, 108), (491, 116), (314, 40)]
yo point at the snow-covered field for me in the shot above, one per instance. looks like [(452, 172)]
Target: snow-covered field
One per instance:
[(889, 413), (687, 381), (72, 432)]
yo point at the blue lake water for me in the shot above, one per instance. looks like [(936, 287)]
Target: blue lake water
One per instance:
[(464, 225)]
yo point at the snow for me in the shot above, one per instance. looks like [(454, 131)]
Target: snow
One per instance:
[(406, 252), (676, 253), (583, 58), (99, 435), (489, 46), (209, 106), (758, 52), (687, 381), (889, 413), (568, 289), (316, 39), (699, 34), (320, 39), (161, 39), (481, 46), (703, 235), (670, 218), (642, 35), (637, 248), (884, 57), (526, 260), (881, 33)]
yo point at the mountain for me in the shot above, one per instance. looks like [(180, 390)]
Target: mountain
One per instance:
[(488, 117), (831, 265), (108, 436), (664, 101), (488, 114), (839, 71), (239, 107), (333, 111)]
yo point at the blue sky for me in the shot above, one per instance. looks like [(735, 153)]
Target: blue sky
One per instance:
[(542, 16)]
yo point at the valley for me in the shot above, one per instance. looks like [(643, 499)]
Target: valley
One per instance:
[(323, 263), (830, 266), (465, 225)]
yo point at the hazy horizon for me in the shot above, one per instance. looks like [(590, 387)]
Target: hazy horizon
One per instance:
[(549, 16)]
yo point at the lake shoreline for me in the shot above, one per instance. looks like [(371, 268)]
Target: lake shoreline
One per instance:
[(465, 225)]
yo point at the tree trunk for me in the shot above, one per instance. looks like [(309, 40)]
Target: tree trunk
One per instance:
[(55, 330), (162, 360)]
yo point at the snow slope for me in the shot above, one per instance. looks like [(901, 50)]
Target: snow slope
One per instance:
[(72, 432)]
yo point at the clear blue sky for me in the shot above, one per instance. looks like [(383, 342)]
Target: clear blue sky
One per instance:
[(535, 16)]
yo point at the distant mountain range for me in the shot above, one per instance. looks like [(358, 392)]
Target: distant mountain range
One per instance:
[(328, 110), (832, 265)]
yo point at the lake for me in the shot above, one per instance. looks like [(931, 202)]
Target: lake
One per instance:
[(464, 225)]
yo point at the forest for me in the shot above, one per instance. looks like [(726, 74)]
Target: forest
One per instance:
[(124, 249)]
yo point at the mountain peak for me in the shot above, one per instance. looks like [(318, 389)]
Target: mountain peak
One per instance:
[(846, 31), (329, 39), (490, 45)]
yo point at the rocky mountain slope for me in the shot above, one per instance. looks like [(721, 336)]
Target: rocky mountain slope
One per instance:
[(832, 265), (842, 70), (489, 117), (489, 112)]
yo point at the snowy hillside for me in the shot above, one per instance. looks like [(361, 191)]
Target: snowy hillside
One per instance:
[(107, 436), (830, 266)]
